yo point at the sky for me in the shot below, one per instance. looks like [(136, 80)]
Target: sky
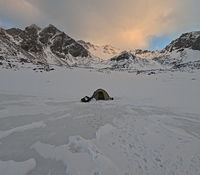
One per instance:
[(127, 24)]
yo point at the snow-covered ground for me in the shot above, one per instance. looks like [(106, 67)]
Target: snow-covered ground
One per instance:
[(151, 127)]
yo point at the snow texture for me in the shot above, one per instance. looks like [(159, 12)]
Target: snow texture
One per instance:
[(151, 127), (17, 168)]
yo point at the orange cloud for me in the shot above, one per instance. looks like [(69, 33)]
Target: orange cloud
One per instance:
[(125, 24)]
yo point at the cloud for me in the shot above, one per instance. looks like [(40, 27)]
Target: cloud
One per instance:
[(126, 24), (18, 12)]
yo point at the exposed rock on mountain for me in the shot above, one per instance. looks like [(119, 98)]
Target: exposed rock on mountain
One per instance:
[(186, 40), (190, 65), (13, 56), (48, 46), (196, 44), (128, 61), (60, 43), (180, 53), (123, 56)]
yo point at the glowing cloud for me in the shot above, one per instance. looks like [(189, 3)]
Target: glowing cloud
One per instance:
[(126, 24)]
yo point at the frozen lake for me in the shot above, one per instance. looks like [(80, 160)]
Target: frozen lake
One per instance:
[(151, 127)]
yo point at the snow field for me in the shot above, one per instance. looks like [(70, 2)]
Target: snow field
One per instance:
[(151, 126), (17, 168)]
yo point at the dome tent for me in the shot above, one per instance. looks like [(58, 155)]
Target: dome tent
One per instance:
[(101, 94)]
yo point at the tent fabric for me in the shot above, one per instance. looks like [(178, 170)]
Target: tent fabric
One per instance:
[(101, 94)]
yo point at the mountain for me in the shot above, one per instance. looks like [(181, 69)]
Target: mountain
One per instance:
[(13, 56), (187, 40), (128, 61), (104, 52), (41, 46), (40, 49), (181, 54)]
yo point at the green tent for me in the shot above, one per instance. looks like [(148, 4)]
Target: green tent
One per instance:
[(101, 94)]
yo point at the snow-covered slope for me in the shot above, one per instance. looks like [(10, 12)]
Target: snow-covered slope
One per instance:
[(187, 40), (104, 52), (151, 127), (48, 45), (128, 61), (185, 49), (182, 52), (12, 56)]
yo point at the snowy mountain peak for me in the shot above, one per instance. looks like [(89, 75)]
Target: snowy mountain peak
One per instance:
[(130, 62), (124, 56), (13, 31), (187, 40), (49, 46), (51, 29), (104, 52), (35, 27)]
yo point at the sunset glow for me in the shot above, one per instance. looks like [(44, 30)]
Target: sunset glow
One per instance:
[(129, 24)]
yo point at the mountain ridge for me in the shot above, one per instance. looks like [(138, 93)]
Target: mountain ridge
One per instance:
[(50, 46)]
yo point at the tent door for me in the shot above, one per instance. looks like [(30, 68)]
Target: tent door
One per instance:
[(100, 96)]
